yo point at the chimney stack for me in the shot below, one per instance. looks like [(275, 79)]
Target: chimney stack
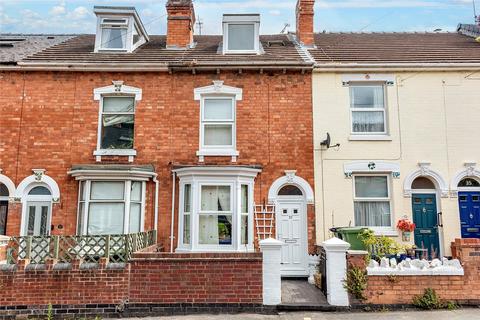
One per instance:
[(305, 15), (180, 23)]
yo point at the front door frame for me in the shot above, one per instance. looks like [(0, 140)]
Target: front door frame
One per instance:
[(438, 206), (304, 238), (468, 190)]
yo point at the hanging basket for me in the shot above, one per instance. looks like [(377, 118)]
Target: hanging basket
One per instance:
[(406, 236)]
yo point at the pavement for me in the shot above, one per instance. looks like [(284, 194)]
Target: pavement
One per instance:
[(460, 314)]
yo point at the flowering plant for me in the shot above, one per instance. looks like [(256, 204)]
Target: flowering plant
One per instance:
[(406, 225)]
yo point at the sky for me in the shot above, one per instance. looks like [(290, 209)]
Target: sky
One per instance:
[(76, 16)]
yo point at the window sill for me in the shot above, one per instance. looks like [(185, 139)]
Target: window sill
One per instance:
[(370, 138), (385, 232), (218, 153), (130, 153), (204, 250)]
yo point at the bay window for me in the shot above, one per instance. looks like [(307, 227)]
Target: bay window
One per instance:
[(110, 207), (372, 203), (216, 209)]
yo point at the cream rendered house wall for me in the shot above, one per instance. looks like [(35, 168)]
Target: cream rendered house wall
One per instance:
[(432, 117)]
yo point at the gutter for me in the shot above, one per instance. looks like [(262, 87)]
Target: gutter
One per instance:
[(368, 67)]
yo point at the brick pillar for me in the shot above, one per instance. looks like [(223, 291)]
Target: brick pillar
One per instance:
[(336, 252), (272, 279), (305, 16), (180, 23)]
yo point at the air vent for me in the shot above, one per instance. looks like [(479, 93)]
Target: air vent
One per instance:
[(276, 43)]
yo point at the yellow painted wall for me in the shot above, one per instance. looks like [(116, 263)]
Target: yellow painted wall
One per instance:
[(432, 117)]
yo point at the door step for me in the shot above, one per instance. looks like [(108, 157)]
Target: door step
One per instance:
[(310, 307)]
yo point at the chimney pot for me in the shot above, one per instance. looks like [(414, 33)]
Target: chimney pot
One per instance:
[(180, 24), (305, 16)]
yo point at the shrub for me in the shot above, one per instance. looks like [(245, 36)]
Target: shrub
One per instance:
[(356, 282)]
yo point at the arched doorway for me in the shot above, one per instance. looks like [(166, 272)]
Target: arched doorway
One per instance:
[(290, 194), (469, 207), (425, 216)]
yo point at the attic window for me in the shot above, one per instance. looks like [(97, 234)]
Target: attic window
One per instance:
[(114, 34), (241, 33), (119, 29)]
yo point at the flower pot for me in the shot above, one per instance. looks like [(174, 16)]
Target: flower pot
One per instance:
[(406, 236)]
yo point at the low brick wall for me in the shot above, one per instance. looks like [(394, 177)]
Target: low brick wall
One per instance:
[(400, 290), (152, 284), (196, 278)]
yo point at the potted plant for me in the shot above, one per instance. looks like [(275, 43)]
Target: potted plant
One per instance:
[(407, 227)]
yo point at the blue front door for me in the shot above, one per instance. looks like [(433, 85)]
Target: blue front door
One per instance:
[(425, 217), (469, 204)]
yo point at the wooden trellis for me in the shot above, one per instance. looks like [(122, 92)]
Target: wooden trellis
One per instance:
[(264, 221)]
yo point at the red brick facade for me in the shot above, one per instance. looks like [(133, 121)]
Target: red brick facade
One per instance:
[(402, 289), (305, 16), (50, 119), (181, 22), (159, 280)]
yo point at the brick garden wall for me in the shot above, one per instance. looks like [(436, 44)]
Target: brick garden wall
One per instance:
[(152, 284), (50, 120), (397, 290)]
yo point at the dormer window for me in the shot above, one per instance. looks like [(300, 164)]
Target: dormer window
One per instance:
[(241, 33), (119, 29), (114, 34)]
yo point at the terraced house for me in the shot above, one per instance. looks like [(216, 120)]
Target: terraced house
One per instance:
[(120, 132), (400, 111)]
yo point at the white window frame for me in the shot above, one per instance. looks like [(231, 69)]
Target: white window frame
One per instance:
[(384, 109), (218, 91), (199, 179), (126, 200), (130, 22), (118, 89), (377, 229), (218, 149), (114, 25), (241, 20)]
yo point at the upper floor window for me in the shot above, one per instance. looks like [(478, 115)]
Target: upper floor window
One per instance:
[(119, 29), (117, 123), (218, 120), (114, 33), (218, 123), (241, 33), (116, 120), (368, 109), (372, 201)]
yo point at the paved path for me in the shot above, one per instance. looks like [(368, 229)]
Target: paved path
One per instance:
[(464, 314)]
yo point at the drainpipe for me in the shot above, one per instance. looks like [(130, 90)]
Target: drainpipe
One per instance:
[(173, 213), (157, 187)]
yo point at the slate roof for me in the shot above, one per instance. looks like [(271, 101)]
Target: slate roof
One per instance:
[(278, 50), (15, 47), (395, 48)]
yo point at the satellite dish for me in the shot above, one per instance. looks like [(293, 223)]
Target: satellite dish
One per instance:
[(327, 141)]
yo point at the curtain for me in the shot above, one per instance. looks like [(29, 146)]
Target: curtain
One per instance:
[(208, 229), (215, 198), (106, 190), (368, 121), (371, 187), (372, 214), (241, 37), (218, 135), (217, 109), (114, 38), (106, 218), (135, 216), (367, 97)]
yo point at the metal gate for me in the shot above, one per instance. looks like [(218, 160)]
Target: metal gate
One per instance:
[(322, 268)]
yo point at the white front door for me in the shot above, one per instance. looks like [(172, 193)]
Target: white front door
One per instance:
[(291, 229), (37, 218)]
